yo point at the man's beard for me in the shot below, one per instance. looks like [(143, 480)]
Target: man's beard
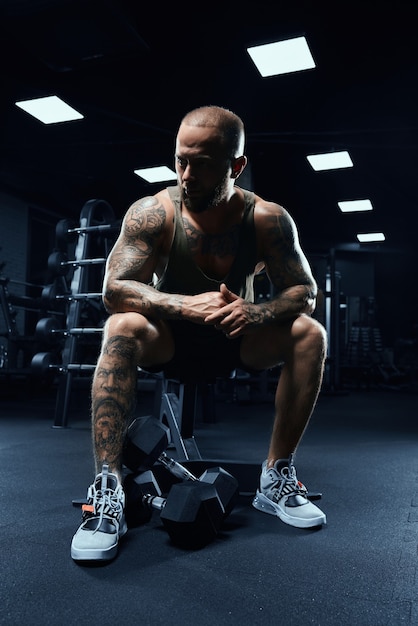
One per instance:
[(211, 199)]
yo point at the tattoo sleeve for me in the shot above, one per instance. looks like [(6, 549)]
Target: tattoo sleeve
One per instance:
[(142, 228), (288, 270), (133, 260)]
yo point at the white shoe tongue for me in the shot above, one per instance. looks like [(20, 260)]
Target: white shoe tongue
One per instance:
[(105, 472)]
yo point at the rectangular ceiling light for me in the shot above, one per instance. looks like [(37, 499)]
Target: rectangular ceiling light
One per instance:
[(330, 161), (157, 174), (282, 57), (370, 237), (50, 110), (351, 206)]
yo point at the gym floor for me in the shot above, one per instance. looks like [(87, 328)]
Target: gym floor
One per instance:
[(360, 451)]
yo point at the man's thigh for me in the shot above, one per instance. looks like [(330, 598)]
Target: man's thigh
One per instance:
[(265, 347), (274, 344), (201, 352)]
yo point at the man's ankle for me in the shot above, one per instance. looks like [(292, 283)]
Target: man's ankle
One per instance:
[(271, 462)]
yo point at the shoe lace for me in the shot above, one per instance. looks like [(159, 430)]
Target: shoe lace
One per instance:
[(105, 501), (289, 479), (108, 504)]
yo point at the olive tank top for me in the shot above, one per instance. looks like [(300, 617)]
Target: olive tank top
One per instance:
[(182, 275)]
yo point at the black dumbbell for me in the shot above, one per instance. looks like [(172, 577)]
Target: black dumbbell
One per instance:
[(48, 328), (146, 442), (46, 363), (58, 263), (67, 231), (135, 487), (50, 292), (53, 292), (191, 513)]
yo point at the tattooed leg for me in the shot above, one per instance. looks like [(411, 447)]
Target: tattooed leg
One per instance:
[(113, 399)]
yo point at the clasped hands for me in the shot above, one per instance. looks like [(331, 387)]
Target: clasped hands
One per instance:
[(233, 317)]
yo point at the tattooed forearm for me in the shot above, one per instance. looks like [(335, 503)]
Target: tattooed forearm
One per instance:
[(134, 257), (287, 304)]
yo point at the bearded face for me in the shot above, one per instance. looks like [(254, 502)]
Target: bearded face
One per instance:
[(204, 167), (200, 199)]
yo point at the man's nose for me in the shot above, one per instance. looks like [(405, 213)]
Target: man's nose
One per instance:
[(188, 172)]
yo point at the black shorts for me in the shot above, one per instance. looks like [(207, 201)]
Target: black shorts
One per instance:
[(202, 353)]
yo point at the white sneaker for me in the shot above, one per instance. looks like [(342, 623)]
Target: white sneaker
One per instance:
[(103, 520), (283, 495)]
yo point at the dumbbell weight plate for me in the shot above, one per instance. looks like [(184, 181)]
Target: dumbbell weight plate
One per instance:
[(147, 438), (55, 263), (62, 231), (46, 329), (135, 486), (51, 292), (44, 364), (192, 514), (225, 484)]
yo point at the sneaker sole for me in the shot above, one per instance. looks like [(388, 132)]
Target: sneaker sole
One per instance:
[(262, 503), (88, 554), (94, 555)]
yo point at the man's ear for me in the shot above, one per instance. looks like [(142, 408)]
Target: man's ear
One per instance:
[(238, 165)]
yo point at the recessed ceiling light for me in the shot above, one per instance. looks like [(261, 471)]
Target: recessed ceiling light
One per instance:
[(282, 57), (50, 110), (351, 206), (370, 237), (157, 174), (330, 161)]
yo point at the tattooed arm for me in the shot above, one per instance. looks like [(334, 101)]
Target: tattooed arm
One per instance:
[(286, 265), (141, 250), (287, 269), (135, 257)]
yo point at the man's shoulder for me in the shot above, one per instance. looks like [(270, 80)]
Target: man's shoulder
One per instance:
[(159, 201), (261, 204), (267, 208)]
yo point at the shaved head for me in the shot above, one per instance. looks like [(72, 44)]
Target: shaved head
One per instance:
[(231, 126)]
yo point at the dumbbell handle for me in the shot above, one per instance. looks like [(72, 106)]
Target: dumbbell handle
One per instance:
[(175, 468), (154, 502), (75, 263), (78, 296), (76, 331), (92, 229)]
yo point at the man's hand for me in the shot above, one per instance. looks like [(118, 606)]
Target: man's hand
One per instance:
[(236, 317), (197, 308)]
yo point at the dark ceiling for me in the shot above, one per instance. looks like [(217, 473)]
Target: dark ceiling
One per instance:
[(133, 69)]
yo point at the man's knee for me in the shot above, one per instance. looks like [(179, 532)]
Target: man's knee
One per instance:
[(126, 325), (153, 339), (310, 333)]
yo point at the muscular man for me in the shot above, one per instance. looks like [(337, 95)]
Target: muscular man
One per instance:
[(179, 291)]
